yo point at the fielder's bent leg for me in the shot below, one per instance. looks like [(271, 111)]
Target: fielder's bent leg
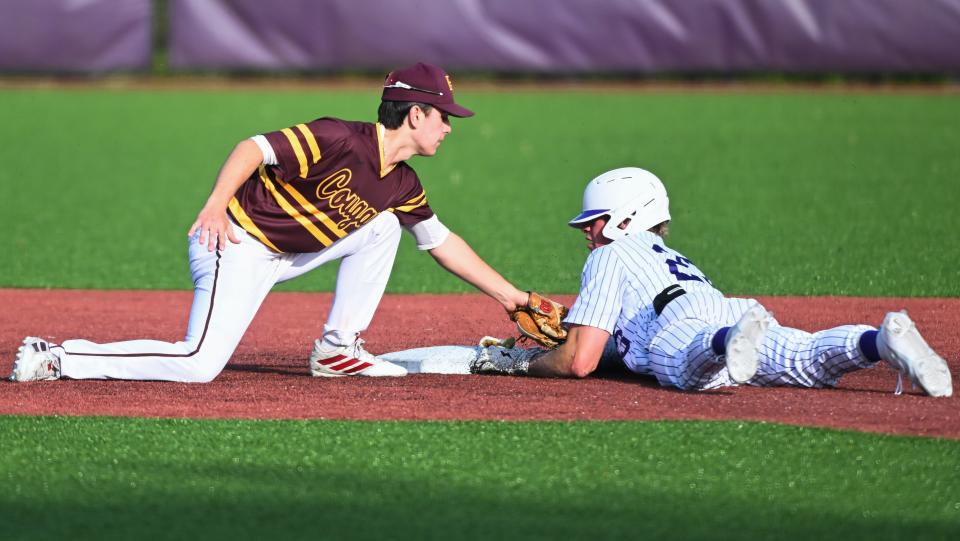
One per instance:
[(229, 287), (361, 281), (367, 257)]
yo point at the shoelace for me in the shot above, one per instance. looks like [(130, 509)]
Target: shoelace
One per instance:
[(899, 389), (900, 369), (358, 349)]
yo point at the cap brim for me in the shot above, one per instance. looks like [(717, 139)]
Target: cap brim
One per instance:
[(454, 109), (587, 216)]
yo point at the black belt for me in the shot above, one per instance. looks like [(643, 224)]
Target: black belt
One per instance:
[(667, 296)]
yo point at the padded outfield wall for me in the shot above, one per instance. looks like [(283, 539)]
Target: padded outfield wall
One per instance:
[(539, 36), (75, 36)]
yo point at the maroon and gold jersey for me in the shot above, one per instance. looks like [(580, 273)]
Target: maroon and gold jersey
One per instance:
[(329, 181)]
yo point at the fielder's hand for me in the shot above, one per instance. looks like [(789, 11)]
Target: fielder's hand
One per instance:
[(540, 320), (215, 228)]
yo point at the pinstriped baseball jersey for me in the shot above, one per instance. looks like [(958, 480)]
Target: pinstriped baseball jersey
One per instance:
[(618, 286), (329, 181)]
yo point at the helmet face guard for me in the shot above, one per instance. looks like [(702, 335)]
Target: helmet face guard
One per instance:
[(621, 194)]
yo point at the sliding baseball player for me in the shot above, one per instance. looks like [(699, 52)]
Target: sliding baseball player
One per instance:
[(666, 319)]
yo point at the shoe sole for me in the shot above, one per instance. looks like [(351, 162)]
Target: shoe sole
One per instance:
[(743, 357), (326, 375), (933, 375), (360, 375), (930, 370)]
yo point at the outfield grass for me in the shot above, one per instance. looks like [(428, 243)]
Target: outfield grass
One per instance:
[(107, 478), (787, 193)]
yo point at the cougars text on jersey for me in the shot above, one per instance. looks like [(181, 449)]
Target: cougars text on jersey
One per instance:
[(329, 180)]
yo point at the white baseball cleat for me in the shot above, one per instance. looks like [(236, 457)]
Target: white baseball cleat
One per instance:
[(900, 344), (743, 343), (35, 361), (353, 360)]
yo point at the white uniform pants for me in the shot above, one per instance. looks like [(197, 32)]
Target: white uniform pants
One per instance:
[(681, 352), (229, 286)]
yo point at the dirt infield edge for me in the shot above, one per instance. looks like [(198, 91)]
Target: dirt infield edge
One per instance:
[(268, 378)]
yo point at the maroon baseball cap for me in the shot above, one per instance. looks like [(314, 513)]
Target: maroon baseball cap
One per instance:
[(423, 83)]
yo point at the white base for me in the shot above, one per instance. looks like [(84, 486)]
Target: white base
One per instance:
[(435, 360), (457, 359)]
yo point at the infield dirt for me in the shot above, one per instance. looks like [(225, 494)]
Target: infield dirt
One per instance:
[(268, 375)]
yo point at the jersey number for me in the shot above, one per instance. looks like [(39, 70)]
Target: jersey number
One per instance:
[(623, 345), (676, 263)]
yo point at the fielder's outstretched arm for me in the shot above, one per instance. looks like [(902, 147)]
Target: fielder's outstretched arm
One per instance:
[(578, 357), (212, 220), (458, 257)]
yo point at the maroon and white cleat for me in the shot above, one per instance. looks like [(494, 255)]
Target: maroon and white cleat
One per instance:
[(353, 360)]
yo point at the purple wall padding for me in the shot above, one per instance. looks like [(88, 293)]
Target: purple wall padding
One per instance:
[(569, 35), (74, 35)]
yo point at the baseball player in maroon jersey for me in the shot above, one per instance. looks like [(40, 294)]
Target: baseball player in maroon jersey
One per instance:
[(284, 203)]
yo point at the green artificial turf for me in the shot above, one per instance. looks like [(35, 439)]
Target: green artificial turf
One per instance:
[(777, 193), (110, 478)]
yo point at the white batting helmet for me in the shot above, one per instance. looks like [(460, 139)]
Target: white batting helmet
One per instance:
[(628, 192)]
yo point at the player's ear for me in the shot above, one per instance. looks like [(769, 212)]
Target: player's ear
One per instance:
[(415, 116)]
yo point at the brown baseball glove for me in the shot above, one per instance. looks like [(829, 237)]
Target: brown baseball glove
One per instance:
[(539, 320)]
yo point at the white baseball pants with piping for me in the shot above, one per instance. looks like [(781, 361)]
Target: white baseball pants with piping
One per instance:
[(681, 352), (229, 286)]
